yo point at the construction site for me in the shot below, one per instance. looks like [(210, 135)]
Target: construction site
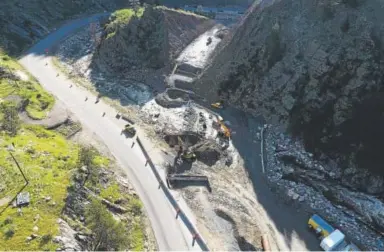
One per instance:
[(158, 68), (198, 156)]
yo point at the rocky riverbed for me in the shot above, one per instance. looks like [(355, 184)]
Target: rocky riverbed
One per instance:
[(324, 188)]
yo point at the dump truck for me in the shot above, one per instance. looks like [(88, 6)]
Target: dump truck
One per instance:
[(331, 239)]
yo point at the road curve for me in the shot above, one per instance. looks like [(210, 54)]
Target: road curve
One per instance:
[(170, 233)]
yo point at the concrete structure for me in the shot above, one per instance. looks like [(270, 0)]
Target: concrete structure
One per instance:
[(219, 13)]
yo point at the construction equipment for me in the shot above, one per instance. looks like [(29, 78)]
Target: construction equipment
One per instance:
[(129, 130), (224, 130), (218, 105), (320, 226), (185, 152), (188, 156), (331, 239)]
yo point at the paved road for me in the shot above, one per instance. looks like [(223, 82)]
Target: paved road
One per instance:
[(170, 233)]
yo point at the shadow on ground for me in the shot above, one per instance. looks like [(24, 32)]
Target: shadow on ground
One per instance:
[(288, 219)]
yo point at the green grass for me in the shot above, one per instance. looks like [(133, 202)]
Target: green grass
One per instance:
[(137, 237), (182, 12), (111, 193), (40, 101), (47, 160), (120, 18), (5, 88)]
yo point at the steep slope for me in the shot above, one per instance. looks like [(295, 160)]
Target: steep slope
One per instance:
[(23, 22), (149, 38), (314, 66)]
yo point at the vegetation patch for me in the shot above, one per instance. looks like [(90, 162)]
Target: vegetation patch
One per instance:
[(120, 18), (37, 102), (47, 160), (56, 170), (119, 228)]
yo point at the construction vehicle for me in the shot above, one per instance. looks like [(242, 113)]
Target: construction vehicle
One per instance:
[(188, 156), (129, 130), (320, 226), (224, 130), (331, 239), (218, 105), (185, 152)]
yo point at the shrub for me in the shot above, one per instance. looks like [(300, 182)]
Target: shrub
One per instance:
[(10, 121), (46, 238), (109, 234), (9, 232), (8, 220)]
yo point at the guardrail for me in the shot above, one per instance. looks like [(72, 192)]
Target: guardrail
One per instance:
[(262, 148), (195, 235)]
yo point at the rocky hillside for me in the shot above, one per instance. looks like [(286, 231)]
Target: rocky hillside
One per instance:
[(316, 67), (23, 22), (146, 38)]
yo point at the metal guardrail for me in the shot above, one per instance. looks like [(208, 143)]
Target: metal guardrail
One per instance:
[(262, 148), (184, 218)]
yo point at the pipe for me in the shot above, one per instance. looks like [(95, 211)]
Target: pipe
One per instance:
[(265, 243)]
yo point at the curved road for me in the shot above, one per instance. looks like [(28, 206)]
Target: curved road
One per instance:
[(170, 233)]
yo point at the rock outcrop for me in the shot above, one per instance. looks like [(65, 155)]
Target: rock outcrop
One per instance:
[(150, 38), (314, 66)]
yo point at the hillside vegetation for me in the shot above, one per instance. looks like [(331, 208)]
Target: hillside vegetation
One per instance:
[(33, 98), (63, 177)]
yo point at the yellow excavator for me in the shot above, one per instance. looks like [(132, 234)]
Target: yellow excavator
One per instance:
[(218, 105), (185, 152), (224, 130)]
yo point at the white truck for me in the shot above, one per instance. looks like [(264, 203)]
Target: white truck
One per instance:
[(335, 241)]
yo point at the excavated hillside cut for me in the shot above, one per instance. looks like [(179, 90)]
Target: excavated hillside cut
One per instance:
[(146, 38)]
